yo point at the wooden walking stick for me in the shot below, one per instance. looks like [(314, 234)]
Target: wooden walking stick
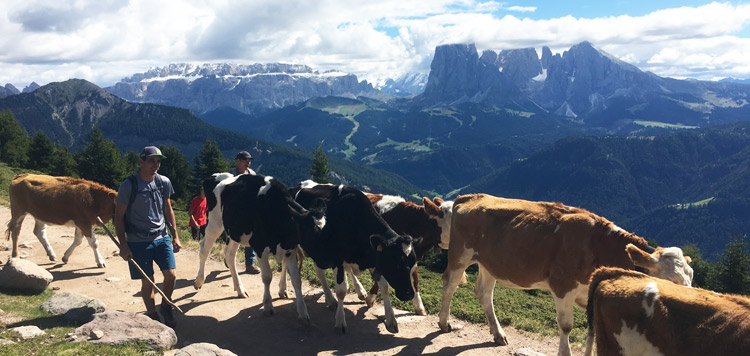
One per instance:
[(101, 223)]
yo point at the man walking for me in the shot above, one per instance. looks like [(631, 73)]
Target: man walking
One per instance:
[(242, 166), (143, 211)]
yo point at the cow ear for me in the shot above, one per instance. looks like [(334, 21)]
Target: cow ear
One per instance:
[(319, 207), (430, 208), (639, 257), (377, 242), (438, 201), (688, 259), (113, 195)]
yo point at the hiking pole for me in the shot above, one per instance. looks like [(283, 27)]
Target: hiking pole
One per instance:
[(101, 223)]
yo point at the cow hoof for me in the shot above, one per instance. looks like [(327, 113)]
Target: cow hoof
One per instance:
[(501, 340), (283, 295), (370, 300), (341, 330), (448, 327), (392, 328), (53, 258), (421, 312), (305, 321), (101, 265), (269, 312), (198, 284)]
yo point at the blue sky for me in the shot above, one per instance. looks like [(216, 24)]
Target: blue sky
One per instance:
[(104, 41)]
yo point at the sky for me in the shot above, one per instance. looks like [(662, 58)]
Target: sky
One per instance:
[(104, 41)]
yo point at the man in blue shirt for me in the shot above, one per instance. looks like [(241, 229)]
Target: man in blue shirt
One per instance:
[(242, 161), (143, 211)]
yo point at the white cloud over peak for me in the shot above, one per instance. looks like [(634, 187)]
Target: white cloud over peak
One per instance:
[(103, 41)]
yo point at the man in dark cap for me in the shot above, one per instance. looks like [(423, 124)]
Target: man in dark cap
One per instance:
[(143, 211), (242, 166)]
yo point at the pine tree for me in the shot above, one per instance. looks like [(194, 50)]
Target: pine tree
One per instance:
[(177, 169), (41, 153), (132, 162), (101, 161), (64, 163), (319, 168), (209, 161), (14, 141), (732, 273)]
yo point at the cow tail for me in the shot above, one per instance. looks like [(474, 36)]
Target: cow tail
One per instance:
[(10, 229)]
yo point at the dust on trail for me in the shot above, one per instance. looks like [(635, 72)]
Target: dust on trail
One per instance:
[(216, 315)]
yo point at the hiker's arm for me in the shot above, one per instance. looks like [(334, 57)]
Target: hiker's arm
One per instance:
[(119, 221), (169, 217)]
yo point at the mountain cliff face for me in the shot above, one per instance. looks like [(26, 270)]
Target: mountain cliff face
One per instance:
[(584, 84), (248, 89), (405, 85)]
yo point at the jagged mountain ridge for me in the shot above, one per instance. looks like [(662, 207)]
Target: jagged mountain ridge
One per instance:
[(405, 85), (584, 84), (248, 89)]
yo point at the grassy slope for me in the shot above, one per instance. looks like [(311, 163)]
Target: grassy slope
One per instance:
[(527, 310)]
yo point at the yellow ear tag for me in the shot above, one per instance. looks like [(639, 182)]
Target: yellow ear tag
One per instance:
[(380, 248)]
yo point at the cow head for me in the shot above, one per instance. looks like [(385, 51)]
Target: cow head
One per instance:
[(310, 221), (395, 261), (666, 263), (441, 211)]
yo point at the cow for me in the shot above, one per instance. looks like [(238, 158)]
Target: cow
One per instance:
[(59, 201), (430, 221), (630, 313), (257, 212), (541, 245), (355, 236)]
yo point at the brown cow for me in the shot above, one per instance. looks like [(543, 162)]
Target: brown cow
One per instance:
[(430, 221), (631, 313), (60, 201), (538, 245)]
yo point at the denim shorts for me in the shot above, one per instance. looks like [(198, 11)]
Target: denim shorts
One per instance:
[(146, 253)]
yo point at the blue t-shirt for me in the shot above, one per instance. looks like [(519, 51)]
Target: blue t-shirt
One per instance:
[(145, 219)]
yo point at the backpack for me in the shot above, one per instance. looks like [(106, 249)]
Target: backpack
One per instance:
[(134, 190)]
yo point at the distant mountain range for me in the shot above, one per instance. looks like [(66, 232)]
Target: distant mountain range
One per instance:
[(248, 89), (406, 85), (67, 112)]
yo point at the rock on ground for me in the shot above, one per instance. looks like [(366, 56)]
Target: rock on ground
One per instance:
[(74, 306), (200, 349), (28, 331), (125, 327), (24, 276)]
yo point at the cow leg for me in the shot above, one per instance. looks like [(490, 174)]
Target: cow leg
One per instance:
[(484, 289), (14, 229), (93, 242), (230, 255), (282, 279), (294, 275), (355, 281), (341, 287), (330, 300), (564, 307), (266, 275), (390, 318), (40, 230), (451, 279), (213, 230), (370, 299), (417, 300)]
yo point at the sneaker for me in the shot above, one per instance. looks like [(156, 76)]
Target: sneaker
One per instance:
[(166, 312), (252, 269), (154, 316)]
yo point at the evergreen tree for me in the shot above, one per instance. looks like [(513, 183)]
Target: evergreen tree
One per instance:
[(64, 164), (177, 169), (319, 168), (14, 141), (209, 161), (101, 161), (41, 153), (701, 268), (732, 273), (132, 163)]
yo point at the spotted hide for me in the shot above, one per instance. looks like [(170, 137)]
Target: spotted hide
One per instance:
[(539, 245), (59, 201), (430, 221), (257, 212), (355, 236), (630, 313)]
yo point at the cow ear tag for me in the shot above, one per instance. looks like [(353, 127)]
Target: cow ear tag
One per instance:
[(380, 248)]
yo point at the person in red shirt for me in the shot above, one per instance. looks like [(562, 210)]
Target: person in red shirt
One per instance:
[(198, 215)]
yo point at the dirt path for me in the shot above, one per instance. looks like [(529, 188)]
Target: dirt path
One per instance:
[(214, 314)]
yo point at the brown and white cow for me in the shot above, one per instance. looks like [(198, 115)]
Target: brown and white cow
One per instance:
[(59, 201), (539, 245), (630, 313), (430, 221)]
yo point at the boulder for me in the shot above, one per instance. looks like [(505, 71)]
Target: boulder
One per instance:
[(117, 328), (526, 352), (203, 349), (24, 276), (74, 306), (28, 331)]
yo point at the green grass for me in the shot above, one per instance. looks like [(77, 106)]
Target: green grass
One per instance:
[(693, 204), (662, 125)]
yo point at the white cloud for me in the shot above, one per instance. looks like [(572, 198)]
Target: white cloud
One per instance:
[(106, 40)]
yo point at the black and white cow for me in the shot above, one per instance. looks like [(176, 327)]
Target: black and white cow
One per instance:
[(257, 212), (355, 236)]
